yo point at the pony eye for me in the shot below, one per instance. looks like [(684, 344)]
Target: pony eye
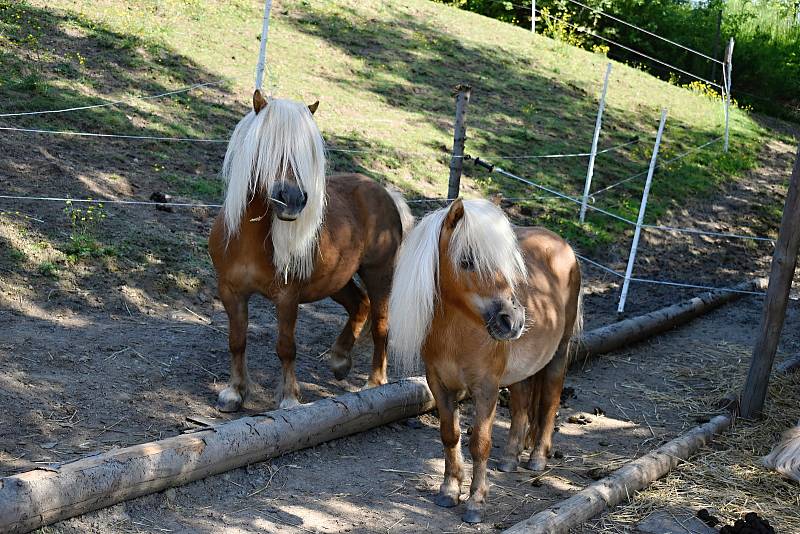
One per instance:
[(467, 264)]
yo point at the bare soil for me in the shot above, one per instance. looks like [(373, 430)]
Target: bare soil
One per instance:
[(119, 347)]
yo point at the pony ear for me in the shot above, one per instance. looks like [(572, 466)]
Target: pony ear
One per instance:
[(259, 102), (454, 214), (313, 107)]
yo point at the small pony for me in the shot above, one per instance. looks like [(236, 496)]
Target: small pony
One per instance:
[(291, 235), (785, 457), (486, 305)]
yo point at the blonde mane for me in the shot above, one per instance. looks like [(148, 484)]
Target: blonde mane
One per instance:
[(484, 234), (283, 138)]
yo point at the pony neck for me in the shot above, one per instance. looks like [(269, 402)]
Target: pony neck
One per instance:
[(452, 334)]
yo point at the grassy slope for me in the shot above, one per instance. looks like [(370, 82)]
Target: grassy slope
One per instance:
[(383, 71)]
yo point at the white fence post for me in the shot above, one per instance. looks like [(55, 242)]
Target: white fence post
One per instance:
[(262, 51), (642, 207), (728, 68), (597, 126), (533, 16)]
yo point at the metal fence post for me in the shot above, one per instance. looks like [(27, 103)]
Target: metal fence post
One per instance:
[(533, 16), (642, 207), (462, 94), (262, 50), (597, 126), (728, 68)]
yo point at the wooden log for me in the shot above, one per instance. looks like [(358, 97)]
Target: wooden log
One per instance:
[(44, 496), (789, 366), (784, 260), (621, 484), (629, 331)]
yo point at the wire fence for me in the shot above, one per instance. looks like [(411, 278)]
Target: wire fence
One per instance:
[(639, 53), (114, 102), (552, 193), (329, 148)]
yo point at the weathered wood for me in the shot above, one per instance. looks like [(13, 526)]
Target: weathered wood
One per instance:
[(784, 260), (621, 484), (789, 366), (462, 94), (41, 497), (629, 331)]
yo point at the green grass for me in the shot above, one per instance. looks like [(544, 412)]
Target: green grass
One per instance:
[(383, 72)]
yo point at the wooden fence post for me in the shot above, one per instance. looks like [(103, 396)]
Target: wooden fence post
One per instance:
[(533, 16), (462, 94), (784, 260)]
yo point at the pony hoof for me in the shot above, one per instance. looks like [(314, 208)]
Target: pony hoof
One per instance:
[(472, 516), (536, 464), (229, 401), (373, 382), (507, 465), (445, 501), (287, 404), (341, 365)]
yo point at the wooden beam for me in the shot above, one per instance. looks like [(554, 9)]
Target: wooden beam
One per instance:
[(462, 94), (630, 331), (784, 260), (621, 484), (44, 496)]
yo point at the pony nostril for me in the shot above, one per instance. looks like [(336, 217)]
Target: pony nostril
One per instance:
[(504, 321)]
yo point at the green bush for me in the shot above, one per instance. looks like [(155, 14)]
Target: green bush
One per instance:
[(766, 59)]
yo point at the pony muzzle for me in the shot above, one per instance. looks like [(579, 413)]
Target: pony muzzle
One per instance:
[(505, 320), (287, 200)]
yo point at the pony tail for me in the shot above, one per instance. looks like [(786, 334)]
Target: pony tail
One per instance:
[(785, 457), (407, 219), (576, 339)]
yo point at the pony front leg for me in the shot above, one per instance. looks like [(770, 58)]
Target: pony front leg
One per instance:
[(520, 397), (480, 445), (288, 390), (450, 430), (231, 398)]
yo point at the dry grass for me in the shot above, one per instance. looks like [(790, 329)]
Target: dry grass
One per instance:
[(727, 478)]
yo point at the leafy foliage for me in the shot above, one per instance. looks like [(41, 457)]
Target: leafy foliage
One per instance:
[(766, 55)]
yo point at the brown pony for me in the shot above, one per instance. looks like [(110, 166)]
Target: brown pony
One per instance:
[(289, 234), (486, 305)]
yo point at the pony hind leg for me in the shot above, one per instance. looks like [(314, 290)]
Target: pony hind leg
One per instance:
[(288, 392), (355, 301), (450, 431), (480, 445), (549, 383), (517, 435), (231, 398), (379, 284)]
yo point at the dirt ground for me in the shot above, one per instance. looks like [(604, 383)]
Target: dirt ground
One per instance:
[(382, 480), (119, 348)]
